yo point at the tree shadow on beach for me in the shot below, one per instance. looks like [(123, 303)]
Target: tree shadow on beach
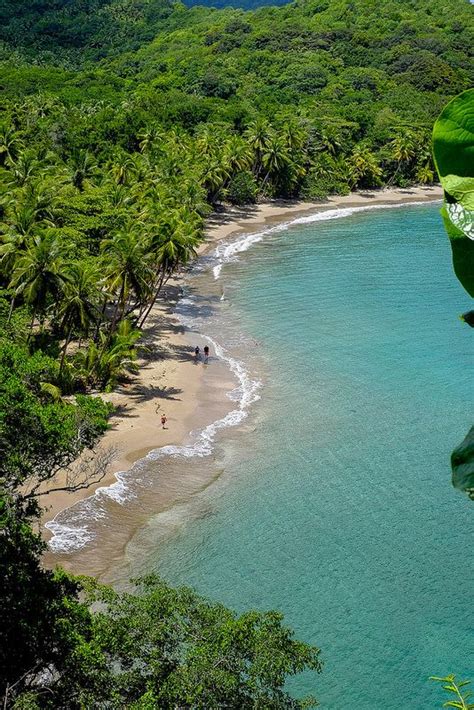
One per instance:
[(139, 393), (366, 194), (182, 353), (224, 215)]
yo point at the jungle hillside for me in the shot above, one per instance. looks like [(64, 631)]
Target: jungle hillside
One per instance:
[(123, 125)]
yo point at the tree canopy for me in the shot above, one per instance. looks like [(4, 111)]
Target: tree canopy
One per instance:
[(123, 123)]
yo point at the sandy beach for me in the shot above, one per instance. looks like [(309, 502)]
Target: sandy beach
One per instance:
[(169, 380)]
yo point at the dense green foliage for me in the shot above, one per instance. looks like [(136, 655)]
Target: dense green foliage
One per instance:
[(244, 4), (39, 433), (36, 606), (157, 648), (122, 124)]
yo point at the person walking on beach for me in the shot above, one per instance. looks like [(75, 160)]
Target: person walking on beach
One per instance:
[(206, 353), (196, 353), (163, 421)]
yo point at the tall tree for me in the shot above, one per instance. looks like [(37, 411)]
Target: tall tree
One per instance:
[(127, 268), (40, 273), (79, 303)]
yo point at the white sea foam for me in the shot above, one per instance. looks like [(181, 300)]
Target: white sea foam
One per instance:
[(67, 538), (228, 251), (348, 211), (70, 527)]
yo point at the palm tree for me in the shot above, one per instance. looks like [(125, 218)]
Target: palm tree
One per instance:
[(403, 147), (120, 357), (257, 135), (172, 244), (122, 169), (209, 140), (403, 150), (104, 363), (119, 197), (329, 140), (127, 269), (214, 177), (35, 211), (363, 167), (40, 272), (149, 138), (24, 167), (83, 168), (274, 156), (10, 144), (237, 154), (191, 196), (13, 243), (42, 198), (178, 140), (37, 106), (22, 219), (295, 136), (425, 174), (79, 303)]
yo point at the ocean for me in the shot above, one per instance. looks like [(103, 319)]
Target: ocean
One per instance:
[(328, 493)]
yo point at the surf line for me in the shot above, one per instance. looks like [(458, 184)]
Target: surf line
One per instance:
[(228, 251)]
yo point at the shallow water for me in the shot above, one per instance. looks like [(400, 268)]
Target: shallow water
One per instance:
[(333, 502)]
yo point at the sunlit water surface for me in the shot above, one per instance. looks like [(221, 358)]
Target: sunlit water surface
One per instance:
[(335, 504)]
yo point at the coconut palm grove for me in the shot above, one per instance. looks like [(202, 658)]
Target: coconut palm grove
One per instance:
[(123, 125)]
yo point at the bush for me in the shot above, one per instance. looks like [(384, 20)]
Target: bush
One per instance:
[(318, 187), (242, 189)]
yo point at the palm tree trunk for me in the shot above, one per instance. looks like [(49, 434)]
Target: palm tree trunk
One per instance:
[(153, 300), (63, 356), (99, 320), (266, 178), (33, 317), (390, 182), (114, 317), (10, 312)]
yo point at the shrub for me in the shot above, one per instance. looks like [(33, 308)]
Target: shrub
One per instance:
[(242, 189)]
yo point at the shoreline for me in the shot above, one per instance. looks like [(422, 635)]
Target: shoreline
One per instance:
[(169, 381)]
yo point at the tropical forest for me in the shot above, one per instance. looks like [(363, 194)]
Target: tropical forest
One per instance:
[(125, 125)]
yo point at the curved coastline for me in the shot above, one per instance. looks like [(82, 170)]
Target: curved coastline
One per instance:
[(228, 234)]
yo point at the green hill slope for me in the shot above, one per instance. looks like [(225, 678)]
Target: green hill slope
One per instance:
[(355, 74)]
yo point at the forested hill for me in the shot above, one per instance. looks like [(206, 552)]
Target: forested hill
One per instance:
[(123, 123), (382, 32), (366, 49), (362, 80), (244, 4)]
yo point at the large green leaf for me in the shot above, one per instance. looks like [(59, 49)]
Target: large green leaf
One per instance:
[(461, 217), (461, 189), (453, 150), (462, 464), (463, 252), (453, 138)]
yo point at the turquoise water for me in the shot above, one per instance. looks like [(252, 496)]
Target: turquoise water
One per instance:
[(335, 504)]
